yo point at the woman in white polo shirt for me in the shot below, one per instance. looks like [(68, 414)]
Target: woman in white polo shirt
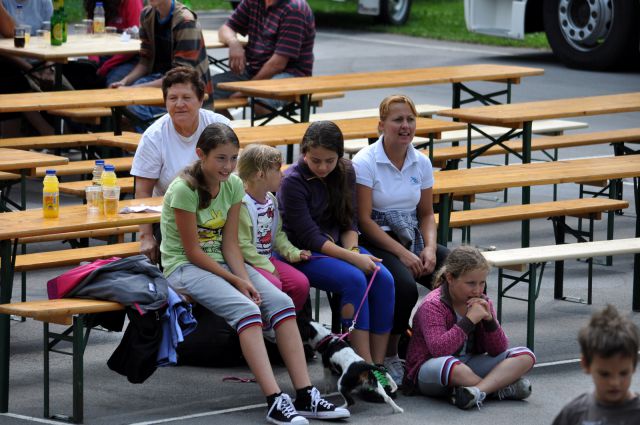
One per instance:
[(395, 213)]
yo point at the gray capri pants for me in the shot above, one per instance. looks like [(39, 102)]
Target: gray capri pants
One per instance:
[(434, 374), (222, 298)]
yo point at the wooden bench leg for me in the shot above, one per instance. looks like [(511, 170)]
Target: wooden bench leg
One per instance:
[(6, 281)]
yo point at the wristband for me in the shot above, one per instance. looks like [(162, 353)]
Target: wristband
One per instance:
[(355, 249)]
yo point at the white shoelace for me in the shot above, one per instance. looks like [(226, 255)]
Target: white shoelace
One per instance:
[(284, 404), (316, 400)]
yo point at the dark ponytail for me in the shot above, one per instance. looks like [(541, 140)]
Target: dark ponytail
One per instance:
[(326, 134), (213, 136)]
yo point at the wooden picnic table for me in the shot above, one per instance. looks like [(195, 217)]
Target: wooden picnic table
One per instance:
[(489, 179), (87, 45), (521, 115), (302, 88), (24, 162), (20, 224), (289, 134)]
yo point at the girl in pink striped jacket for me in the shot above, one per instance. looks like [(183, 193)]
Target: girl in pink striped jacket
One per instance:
[(458, 348)]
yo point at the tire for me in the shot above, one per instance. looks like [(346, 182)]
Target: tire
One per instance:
[(394, 12), (592, 34)]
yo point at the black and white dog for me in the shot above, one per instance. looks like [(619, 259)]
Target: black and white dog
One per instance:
[(339, 358)]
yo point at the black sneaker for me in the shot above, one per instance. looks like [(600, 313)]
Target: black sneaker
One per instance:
[(282, 412), (467, 397), (319, 408)]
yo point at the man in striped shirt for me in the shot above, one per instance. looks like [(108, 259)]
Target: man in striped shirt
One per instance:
[(281, 35)]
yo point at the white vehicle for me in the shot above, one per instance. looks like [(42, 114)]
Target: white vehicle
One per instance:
[(394, 12), (593, 34)]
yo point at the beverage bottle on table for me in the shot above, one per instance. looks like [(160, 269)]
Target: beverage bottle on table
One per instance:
[(65, 25), (98, 18), (57, 23), (110, 190), (50, 195), (98, 169)]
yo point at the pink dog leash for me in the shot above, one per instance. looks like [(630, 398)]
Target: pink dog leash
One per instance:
[(355, 317)]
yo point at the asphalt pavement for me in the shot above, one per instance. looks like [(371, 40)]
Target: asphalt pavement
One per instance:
[(189, 395)]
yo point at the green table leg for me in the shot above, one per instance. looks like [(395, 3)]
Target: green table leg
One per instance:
[(6, 286), (531, 307), (526, 191), (444, 215)]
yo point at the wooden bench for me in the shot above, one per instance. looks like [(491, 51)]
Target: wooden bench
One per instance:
[(531, 260), (103, 234), (84, 167), (75, 314), (424, 110), (52, 142), (94, 115), (76, 188), (548, 127), (441, 155), (127, 141)]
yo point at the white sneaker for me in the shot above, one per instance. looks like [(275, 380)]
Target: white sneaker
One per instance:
[(282, 412), (395, 368), (319, 408)]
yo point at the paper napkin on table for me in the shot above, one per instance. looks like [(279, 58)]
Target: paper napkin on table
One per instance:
[(140, 209)]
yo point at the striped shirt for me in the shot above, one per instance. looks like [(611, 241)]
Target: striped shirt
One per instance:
[(286, 28), (187, 43)]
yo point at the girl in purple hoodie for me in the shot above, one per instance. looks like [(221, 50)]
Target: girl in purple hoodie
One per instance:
[(458, 348)]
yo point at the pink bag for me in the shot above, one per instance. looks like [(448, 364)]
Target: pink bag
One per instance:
[(59, 286)]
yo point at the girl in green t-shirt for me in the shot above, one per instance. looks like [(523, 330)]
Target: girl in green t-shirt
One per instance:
[(202, 259)]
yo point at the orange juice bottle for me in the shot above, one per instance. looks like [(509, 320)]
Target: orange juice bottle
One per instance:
[(110, 190), (50, 195)]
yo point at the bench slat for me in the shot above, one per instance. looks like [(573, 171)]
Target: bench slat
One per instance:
[(58, 311), (570, 207), (84, 167), (67, 257), (77, 188), (539, 254)]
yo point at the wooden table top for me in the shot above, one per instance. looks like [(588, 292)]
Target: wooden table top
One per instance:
[(284, 134), (514, 114), (16, 159), (42, 101), (88, 45), (381, 79), (489, 179), (72, 218)]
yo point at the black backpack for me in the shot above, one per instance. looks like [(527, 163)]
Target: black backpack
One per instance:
[(213, 343)]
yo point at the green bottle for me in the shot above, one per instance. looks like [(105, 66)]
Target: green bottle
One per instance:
[(64, 25), (57, 24)]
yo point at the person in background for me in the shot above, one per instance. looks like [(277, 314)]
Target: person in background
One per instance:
[(122, 14), (285, 50), (34, 12), (458, 348), (170, 36), (169, 144), (395, 213), (609, 353), (202, 260), (262, 241)]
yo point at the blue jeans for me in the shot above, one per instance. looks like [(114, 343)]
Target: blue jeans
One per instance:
[(338, 276)]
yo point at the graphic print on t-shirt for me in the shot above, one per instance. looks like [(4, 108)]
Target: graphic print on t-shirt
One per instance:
[(264, 236), (210, 232)]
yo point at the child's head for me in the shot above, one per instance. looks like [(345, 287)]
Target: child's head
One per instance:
[(609, 346), (465, 271), (217, 151), (261, 162), (322, 148)]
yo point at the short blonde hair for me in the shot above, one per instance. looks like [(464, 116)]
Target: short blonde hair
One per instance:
[(386, 103), (256, 158)]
